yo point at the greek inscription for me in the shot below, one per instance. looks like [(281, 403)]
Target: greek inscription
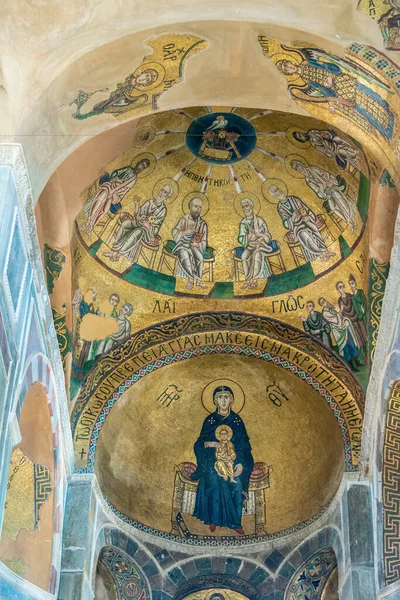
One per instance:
[(171, 52), (361, 262), (291, 304), (169, 395), (165, 306), (276, 395)]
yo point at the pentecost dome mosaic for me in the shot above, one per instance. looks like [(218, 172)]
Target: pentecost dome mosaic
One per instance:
[(220, 279)]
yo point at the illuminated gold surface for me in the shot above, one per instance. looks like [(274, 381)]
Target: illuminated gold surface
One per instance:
[(208, 595), (19, 511), (142, 441), (225, 214)]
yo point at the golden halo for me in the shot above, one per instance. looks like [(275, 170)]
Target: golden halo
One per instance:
[(150, 168), (289, 134), (227, 429), (265, 189), (238, 394), (296, 58), (154, 66), (203, 198), (290, 169), (238, 199), (143, 136), (167, 181), (223, 593)]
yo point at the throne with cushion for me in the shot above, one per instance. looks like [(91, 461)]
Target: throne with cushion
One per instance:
[(273, 259), (168, 263), (184, 497)]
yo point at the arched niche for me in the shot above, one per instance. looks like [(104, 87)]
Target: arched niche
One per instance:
[(316, 578), (26, 545), (215, 594), (119, 577)]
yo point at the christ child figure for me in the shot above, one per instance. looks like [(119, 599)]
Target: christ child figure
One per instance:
[(225, 453)]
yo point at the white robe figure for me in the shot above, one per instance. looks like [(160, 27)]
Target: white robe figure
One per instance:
[(190, 247), (300, 219), (254, 237), (326, 186)]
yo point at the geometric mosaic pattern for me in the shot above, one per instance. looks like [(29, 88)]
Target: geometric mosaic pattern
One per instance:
[(378, 274), (391, 488), (309, 582), (42, 489), (129, 581)]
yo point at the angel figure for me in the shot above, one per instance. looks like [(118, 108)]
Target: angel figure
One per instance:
[(323, 77)]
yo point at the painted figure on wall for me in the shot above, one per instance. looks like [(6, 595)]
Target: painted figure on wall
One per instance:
[(300, 219), (331, 145), (347, 307), (359, 302), (254, 237), (83, 304), (342, 338), (220, 497), (129, 94), (123, 333), (316, 325), (330, 189), (323, 77), (143, 225), (191, 237), (111, 192)]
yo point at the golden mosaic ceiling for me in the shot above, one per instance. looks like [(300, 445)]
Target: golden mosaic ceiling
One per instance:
[(247, 230)]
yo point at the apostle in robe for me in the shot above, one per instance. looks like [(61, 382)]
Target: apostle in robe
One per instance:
[(341, 330), (127, 95), (331, 145), (219, 502), (359, 301), (346, 306), (327, 187), (123, 333), (300, 219), (254, 237), (316, 324), (190, 236), (111, 193), (144, 225)]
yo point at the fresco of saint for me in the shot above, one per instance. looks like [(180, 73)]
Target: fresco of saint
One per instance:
[(254, 236), (328, 188), (331, 145), (219, 501), (111, 192), (190, 236), (299, 218)]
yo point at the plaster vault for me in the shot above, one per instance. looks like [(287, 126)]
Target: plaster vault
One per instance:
[(198, 301)]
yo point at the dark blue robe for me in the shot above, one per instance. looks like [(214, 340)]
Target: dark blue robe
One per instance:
[(218, 501)]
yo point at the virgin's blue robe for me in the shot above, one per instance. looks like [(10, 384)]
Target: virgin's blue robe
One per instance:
[(218, 501)]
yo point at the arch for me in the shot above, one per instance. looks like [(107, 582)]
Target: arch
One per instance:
[(313, 576), (114, 537)]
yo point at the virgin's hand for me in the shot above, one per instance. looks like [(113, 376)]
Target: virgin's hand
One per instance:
[(238, 470), (211, 445)]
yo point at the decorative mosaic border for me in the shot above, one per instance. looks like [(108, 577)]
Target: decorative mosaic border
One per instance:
[(219, 349), (391, 488), (226, 541), (378, 60), (202, 322)]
